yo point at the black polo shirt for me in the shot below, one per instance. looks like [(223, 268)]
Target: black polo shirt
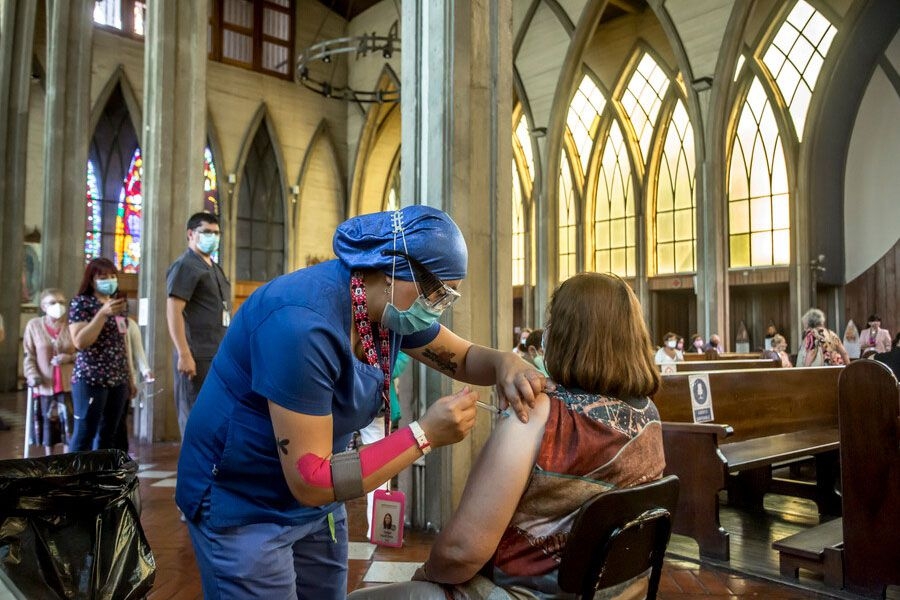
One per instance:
[(207, 293)]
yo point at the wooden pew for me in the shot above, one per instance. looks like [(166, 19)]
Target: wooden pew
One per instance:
[(721, 365), (867, 539), (693, 356), (761, 417)]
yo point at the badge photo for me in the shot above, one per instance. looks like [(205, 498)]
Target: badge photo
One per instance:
[(388, 510)]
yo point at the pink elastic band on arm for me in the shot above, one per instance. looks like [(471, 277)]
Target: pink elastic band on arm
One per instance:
[(316, 471)]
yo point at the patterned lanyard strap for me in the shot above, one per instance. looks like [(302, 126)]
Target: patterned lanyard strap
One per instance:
[(366, 335)]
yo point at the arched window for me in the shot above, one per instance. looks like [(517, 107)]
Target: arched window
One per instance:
[(113, 202), (675, 221), (518, 228), (795, 57), (211, 191), (260, 215), (759, 216), (614, 215), (583, 117), (94, 234), (568, 222), (642, 99), (128, 219)]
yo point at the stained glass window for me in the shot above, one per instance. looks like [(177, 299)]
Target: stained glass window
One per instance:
[(675, 213), (94, 203), (211, 190), (795, 57), (210, 183), (568, 222), (128, 219), (642, 99), (518, 229), (584, 114), (614, 216), (758, 196)]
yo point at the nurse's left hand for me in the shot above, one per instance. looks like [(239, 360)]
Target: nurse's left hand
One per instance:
[(518, 383)]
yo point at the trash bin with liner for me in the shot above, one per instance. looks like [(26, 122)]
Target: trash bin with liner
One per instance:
[(70, 527)]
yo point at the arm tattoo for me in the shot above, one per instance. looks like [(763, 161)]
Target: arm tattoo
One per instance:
[(282, 445), (442, 359)]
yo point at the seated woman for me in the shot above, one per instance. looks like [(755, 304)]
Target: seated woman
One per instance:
[(778, 351), (669, 354), (596, 432)]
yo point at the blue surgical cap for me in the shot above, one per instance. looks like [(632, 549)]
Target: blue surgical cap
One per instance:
[(431, 237)]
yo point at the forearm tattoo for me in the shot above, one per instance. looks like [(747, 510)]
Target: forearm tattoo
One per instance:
[(442, 359), (283, 444)]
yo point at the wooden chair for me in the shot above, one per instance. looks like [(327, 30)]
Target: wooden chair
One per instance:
[(619, 535)]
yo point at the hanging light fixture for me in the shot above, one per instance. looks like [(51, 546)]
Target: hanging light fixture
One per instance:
[(330, 50)]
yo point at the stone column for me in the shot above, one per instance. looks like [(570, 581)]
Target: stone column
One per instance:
[(457, 131), (16, 41), (67, 118), (174, 138)]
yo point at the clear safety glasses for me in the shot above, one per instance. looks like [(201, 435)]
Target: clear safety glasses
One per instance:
[(437, 295)]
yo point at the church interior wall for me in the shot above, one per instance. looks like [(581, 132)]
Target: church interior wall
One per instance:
[(872, 210)]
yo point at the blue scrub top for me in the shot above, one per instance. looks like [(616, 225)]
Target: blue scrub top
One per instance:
[(288, 343)]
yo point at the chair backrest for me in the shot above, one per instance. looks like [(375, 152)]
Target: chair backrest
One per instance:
[(619, 535)]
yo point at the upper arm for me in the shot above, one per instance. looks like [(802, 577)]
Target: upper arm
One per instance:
[(298, 434), (493, 489), (181, 280)]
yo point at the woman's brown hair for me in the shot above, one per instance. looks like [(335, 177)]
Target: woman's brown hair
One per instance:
[(596, 339), (94, 269)]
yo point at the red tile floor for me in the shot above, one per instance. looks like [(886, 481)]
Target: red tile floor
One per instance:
[(176, 575)]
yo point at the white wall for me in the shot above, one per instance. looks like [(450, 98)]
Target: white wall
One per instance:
[(872, 182)]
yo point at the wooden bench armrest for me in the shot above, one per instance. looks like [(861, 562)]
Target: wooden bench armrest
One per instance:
[(722, 431)]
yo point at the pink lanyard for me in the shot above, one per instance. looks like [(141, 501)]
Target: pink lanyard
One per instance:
[(364, 329)]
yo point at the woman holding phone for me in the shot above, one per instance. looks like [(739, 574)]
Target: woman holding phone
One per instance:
[(101, 380)]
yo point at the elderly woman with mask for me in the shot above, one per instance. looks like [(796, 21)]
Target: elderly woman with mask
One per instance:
[(49, 358), (306, 362)]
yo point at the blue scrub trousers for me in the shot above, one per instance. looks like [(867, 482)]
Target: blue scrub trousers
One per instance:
[(264, 560)]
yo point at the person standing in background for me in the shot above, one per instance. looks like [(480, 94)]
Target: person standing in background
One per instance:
[(100, 381), (140, 372), (875, 337), (198, 310), (49, 358), (851, 340)]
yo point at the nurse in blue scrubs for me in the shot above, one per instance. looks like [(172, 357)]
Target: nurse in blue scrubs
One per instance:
[(264, 466)]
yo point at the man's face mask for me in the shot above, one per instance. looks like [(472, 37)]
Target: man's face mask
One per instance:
[(672, 343)]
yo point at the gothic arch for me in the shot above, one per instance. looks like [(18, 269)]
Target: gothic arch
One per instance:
[(378, 144)]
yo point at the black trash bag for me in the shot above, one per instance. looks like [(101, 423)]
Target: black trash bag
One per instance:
[(70, 527)]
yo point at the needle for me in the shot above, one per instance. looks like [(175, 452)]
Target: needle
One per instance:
[(488, 407)]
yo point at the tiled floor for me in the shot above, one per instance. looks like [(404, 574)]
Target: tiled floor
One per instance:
[(176, 575)]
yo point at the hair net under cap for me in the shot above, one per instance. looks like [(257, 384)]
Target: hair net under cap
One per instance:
[(432, 238)]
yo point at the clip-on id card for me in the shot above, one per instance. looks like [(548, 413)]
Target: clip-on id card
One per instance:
[(388, 510)]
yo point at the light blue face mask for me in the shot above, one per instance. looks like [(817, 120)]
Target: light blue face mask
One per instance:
[(107, 287), (540, 366), (417, 317), (207, 243)]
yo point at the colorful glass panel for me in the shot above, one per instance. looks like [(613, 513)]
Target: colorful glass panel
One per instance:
[(128, 219), (94, 231)]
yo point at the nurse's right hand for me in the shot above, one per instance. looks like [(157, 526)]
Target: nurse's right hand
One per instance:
[(450, 419)]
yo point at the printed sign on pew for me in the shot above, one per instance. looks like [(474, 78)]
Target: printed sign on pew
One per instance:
[(701, 397)]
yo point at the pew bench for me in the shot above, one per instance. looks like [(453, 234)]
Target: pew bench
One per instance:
[(722, 365), (861, 551), (764, 418)]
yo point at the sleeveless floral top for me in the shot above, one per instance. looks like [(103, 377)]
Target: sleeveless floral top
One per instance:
[(592, 444)]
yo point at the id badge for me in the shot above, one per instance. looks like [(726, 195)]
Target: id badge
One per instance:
[(388, 510), (122, 324), (226, 318)]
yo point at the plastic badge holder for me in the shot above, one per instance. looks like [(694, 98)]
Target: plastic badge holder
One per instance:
[(388, 511)]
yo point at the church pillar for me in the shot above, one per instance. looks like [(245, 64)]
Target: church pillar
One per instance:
[(174, 138), (16, 41), (67, 117), (456, 145)]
